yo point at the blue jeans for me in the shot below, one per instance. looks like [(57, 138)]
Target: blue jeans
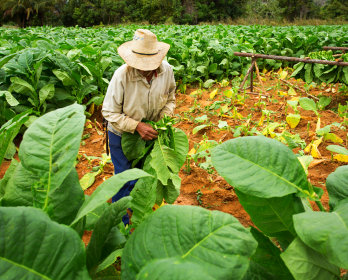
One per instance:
[(121, 163)]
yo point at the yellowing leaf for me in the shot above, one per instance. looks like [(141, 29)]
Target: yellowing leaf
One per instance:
[(228, 93), (91, 109), (317, 142), (237, 115), (156, 206), (318, 125), (295, 99), (308, 148), (293, 120), (213, 93), (225, 108), (314, 148), (291, 91), (227, 116), (192, 152), (264, 71), (194, 92), (333, 138), (269, 130), (89, 125), (88, 179), (315, 152), (282, 93), (283, 75), (261, 120), (224, 83), (341, 158)]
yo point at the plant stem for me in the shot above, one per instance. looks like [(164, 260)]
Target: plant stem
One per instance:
[(320, 205)]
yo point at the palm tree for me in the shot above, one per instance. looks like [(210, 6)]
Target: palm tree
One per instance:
[(23, 9)]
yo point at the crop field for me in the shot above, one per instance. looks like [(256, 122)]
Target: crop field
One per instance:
[(272, 162)]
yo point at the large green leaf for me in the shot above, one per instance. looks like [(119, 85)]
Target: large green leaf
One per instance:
[(273, 216), (46, 92), (93, 216), (34, 247), (337, 149), (336, 185), (298, 67), (213, 241), (111, 217), (308, 104), (64, 77), (18, 190), (133, 146), (164, 161), (21, 86), (260, 166), (10, 130), (11, 100), (326, 233), (144, 198), (108, 189), (25, 59), (172, 268), (266, 262), (306, 264), (9, 173), (6, 59), (66, 200), (171, 191), (181, 145), (49, 150)]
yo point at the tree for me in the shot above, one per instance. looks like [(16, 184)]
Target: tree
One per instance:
[(335, 9), (23, 10)]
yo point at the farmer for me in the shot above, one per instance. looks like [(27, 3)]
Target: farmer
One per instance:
[(143, 88)]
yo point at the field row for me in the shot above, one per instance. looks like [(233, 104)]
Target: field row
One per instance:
[(46, 68)]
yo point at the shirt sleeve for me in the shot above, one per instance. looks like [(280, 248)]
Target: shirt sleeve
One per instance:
[(168, 109), (112, 109)]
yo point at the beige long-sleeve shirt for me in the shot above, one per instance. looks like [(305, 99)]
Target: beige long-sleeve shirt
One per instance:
[(130, 98)]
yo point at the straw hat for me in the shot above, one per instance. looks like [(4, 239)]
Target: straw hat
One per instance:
[(144, 52)]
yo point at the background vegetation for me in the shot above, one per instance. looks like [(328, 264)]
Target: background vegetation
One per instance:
[(94, 12)]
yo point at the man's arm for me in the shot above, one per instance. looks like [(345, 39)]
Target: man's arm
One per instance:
[(112, 109), (168, 109)]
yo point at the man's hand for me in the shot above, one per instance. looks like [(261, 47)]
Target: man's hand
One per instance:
[(146, 131)]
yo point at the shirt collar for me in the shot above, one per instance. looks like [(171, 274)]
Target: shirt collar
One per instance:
[(136, 76)]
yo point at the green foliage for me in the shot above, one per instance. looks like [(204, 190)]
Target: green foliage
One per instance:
[(336, 184), (47, 68), (220, 249), (321, 72), (46, 179), (163, 158), (30, 255), (9, 131), (313, 243)]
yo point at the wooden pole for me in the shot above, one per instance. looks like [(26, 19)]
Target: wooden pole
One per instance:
[(289, 58), (247, 74)]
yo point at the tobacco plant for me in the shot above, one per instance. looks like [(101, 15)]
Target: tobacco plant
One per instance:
[(272, 186), (43, 214), (163, 158)]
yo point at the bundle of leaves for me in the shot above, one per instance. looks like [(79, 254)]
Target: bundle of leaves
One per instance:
[(321, 72), (162, 157)]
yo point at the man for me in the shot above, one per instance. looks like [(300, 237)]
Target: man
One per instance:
[(143, 88)]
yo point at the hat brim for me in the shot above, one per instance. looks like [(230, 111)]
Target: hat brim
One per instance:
[(141, 61)]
